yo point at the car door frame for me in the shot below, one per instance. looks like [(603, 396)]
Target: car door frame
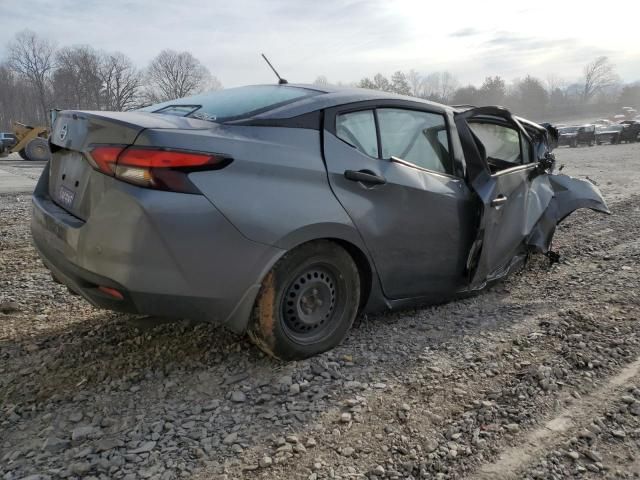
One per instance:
[(455, 150), (487, 188)]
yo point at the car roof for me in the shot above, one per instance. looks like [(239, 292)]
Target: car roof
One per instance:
[(333, 96)]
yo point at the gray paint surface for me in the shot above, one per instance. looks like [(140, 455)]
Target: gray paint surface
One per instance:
[(416, 226), (205, 255)]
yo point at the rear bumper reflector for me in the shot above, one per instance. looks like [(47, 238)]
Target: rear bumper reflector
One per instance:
[(112, 292)]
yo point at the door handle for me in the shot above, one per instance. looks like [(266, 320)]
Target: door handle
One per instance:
[(498, 201), (365, 176)]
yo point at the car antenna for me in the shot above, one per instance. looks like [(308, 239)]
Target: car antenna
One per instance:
[(281, 81)]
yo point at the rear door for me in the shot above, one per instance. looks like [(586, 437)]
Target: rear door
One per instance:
[(394, 169), (503, 173)]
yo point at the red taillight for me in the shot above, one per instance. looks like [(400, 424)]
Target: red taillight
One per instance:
[(105, 158), (154, 168), (144, 157)]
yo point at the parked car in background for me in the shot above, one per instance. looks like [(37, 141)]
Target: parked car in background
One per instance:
[(602, 122), (577, 135), (630, 131), (7, 141), (609, 134)]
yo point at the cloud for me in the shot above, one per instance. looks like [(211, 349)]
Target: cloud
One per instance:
[(344, 40), (465, 32), (517, 42)]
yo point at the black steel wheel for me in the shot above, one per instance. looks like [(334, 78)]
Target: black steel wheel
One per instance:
[(307, 302)]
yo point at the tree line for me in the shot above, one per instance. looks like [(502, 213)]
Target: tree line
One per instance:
[(37, 76), (598, 91)]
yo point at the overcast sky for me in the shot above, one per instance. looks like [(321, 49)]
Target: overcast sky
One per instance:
[(346, 40)]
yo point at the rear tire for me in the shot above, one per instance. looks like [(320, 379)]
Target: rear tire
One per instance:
[(23, 154), (307, 302), (37, 150)]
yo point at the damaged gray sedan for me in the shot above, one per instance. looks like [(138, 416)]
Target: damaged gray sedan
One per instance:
[(284, 210)]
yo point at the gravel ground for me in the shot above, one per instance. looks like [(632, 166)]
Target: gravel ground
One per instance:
[(538, 377)]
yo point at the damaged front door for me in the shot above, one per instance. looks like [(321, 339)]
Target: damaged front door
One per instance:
[(505, 175)]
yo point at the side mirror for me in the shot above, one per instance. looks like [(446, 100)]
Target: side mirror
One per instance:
[(546, 163)]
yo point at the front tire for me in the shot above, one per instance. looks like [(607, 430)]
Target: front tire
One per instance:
[(307, 302), (37, 150)]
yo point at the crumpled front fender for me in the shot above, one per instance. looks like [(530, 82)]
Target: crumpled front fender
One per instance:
[(569, 194), (573, 193)]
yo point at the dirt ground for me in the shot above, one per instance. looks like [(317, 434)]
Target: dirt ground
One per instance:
[(536, 378)]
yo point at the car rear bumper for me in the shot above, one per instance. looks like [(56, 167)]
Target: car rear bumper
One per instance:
[(168, 254)]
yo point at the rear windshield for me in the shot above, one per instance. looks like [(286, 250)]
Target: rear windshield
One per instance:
[(568, 130), (232, 103)]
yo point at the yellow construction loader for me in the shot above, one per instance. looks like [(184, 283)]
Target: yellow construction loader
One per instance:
[(31, 142)]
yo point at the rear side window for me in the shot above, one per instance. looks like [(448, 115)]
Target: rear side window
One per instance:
[(420, 138), (501, 143), (358, 129), (233, 103), (178, 110)]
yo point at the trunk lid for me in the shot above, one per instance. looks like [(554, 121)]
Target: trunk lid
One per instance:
[(74, 133)]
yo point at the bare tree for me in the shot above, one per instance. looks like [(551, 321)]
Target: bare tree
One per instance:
[(18, 99), (33, 58), (493, 91), (439, 86), (321, 81), (598, 75), (381, 83), (121, 82), (400, 84), (529, 97), (76, 80), (366, 83), (8, 106), (554, 83), (175, 75), (468, 95), (448, 85), (416, 83)]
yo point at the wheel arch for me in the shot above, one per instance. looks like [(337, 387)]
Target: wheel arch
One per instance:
[(357, 252), (371, 296), (365, 270)]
